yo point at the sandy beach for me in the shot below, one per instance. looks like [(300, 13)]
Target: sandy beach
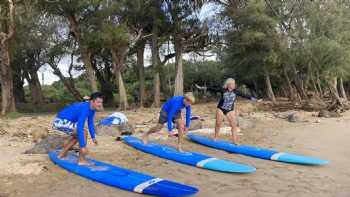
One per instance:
[(35, 175)]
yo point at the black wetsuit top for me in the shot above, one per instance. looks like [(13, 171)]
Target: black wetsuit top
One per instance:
[(228, 98)]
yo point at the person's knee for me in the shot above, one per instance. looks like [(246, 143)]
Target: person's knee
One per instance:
[(232, 121), (180, 124), (84, 151), (181, 127)]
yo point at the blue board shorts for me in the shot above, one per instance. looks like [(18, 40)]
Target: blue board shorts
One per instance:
[(64, 125)]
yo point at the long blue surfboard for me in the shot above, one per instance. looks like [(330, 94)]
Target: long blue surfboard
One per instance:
[(256, 152), (122, 178), (189, 158)]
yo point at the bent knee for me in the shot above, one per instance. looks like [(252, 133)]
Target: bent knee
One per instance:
[(84, 150)]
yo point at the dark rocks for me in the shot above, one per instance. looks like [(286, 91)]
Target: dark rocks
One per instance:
[(196, 124), (47, 144), (295, 117), (314, 104), (328, 114), (115, 130), (39, 134)]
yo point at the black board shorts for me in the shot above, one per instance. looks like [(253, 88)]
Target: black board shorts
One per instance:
[(163, 117)]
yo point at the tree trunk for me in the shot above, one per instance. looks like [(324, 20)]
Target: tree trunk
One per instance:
[(141, 71), (269, 89), (299, 84), (314, 85), (7, 96), (67, 82), (123, 100), (35, 88), (292, 96), (155, 63), (156, 81), (308, 78), (19, 92), (107, 89), (334, 83), (318, 83), (85, 52), (179, 86), (342, 90), (336, 100), (117, 65), (256, 87), (106, 79), (18, 84), (89, 70)]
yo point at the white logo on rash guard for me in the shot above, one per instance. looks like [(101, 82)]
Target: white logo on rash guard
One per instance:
[(229, 99)]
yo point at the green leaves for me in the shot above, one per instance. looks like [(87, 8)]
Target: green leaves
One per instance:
[(253, 40), (115, 36)]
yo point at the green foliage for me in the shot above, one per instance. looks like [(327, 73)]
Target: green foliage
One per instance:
[(208, 73), (57, 92), (306, 37), (114, 36), (252, 42), (311, 38), (67, 7)]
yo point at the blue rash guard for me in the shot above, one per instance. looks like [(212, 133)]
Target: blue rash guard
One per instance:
[(174, 106), (78, 113)]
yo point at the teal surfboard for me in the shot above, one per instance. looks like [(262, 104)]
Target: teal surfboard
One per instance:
[(256, 152), (189, 158)]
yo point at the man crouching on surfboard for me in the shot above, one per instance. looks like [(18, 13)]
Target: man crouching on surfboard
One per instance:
[(71, 120), (171, 111)]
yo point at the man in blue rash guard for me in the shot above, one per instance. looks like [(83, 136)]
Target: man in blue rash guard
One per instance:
[(171, 111), (71, 120)]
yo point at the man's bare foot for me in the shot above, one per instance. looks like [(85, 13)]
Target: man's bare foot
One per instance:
[(145, 139), (179, 148), (62, 155)]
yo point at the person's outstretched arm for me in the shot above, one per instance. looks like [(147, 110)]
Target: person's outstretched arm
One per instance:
[(247, 96), (211, 89)]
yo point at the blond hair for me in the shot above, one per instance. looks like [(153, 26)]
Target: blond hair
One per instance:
[(190, 97), (228, 81)]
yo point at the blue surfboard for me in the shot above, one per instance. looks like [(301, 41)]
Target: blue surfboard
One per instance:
[(189, 158), (256, 152), (122, 178)]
